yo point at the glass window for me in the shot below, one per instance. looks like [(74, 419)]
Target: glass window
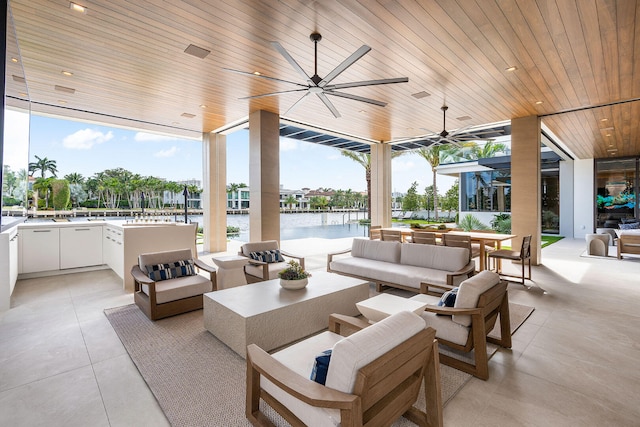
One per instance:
[(487, 191)]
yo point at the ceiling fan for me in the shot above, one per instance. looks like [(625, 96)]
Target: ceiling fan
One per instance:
[(319, 86), (458, 136)]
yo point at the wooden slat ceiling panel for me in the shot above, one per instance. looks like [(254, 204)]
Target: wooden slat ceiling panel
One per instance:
[(130, 67)]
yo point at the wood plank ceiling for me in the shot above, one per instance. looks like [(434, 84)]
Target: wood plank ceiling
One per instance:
[(129, 65)]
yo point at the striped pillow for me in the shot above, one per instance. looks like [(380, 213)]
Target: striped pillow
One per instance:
[(171, 270), (271, 256)]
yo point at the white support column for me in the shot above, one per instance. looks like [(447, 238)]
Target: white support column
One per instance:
[(525, 183), (264, 176), (381, 185), (214, 196)]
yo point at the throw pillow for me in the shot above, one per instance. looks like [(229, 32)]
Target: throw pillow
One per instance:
[(629, 226), (448, 299), (321, 367), (171, 270), (271, 256)]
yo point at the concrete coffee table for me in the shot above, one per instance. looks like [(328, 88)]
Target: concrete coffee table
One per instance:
[(270, 316)]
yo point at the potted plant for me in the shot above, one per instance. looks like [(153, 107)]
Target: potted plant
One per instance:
[(294, 276)]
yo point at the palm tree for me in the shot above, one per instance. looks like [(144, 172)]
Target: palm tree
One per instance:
[(44, 165), (74, 178), (43, 185), (291, 200), (364, 160), (490, 149), (432, 155)]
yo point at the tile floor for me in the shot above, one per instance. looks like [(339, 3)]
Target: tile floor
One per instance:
[(573, 363)]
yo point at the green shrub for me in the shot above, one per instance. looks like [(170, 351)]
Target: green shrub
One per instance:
[(470, 222), (233, 230), (61, 194), (502, 223)]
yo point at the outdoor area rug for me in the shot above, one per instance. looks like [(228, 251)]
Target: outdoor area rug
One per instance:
[(199, 381)]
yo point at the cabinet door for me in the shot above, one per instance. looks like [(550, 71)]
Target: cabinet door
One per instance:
[(40, 250), (13, 260), (80, 247)]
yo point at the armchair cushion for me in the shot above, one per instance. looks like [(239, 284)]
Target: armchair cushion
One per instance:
[(356, 351), (274, 269), (171, 270), (269, 256), (470, 291), (179, 288)]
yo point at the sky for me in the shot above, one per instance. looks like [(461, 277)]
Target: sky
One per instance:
[(87, 148)]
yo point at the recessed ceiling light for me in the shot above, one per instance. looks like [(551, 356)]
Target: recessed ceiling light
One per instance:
[(608, 134), (24, 95), (362, 111), (257, 73), (78, 8), (188, 115), (604, 120), (512, 68), (538, 102), (67, 73), (203, 106), (60, 101), (14, 59), (175, 123)]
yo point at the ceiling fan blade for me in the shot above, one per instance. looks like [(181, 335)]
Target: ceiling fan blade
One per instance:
[(263, 77), (457, 131), (295, 104), (272, 93), (290, 60), (367, 83), (364, 49), (356, 98), (329, 105)]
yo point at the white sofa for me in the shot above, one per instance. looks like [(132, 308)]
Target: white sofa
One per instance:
[(407, 266)]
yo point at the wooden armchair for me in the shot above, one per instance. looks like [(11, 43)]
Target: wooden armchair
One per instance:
[(174, 287), (374, 376), (260, 270), (629, 244), (465, 326)]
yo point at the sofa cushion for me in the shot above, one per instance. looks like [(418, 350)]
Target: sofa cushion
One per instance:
[(470, 291), (358, 350), (179, 288), (171, 270), (447, 258), (445, 328), (270, 256), (376, 250)]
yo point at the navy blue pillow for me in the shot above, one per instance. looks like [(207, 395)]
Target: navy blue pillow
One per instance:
[(321, 367), (448, 299)]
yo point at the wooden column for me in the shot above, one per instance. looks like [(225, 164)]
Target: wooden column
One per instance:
[(381, 185), (525, 183), (264, 176), (214, 196)]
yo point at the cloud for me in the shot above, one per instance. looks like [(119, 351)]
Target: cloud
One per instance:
[(287, 144), (145, 137), (167, 153), (399, 165), (85, 139)]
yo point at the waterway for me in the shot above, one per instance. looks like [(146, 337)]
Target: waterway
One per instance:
[(328, 225)]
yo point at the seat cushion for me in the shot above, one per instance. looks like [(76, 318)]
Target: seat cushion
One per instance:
[(358, 350), (274, 269), (179, 288), (445, 327), (300, 358), (470, 291)]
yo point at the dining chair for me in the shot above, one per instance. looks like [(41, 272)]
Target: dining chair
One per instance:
[(461, 242), (523, 255), (391, 235), (374, 232), (423, 237)]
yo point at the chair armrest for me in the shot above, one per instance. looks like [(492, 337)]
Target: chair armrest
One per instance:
[(140, 277), (338, 321), (451, 310), (467, 270), (297, 386), (203, 266), (299, 258), (332, 254)]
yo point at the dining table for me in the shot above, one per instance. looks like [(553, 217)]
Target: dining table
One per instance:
[(484, 239)]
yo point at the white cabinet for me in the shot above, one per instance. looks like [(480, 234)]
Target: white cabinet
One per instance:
[(80, 246), (13, 259), (8, 266), (113, 249), (39, 249)]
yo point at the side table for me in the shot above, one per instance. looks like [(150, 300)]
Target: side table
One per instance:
[(384, 305), (230, 271)]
